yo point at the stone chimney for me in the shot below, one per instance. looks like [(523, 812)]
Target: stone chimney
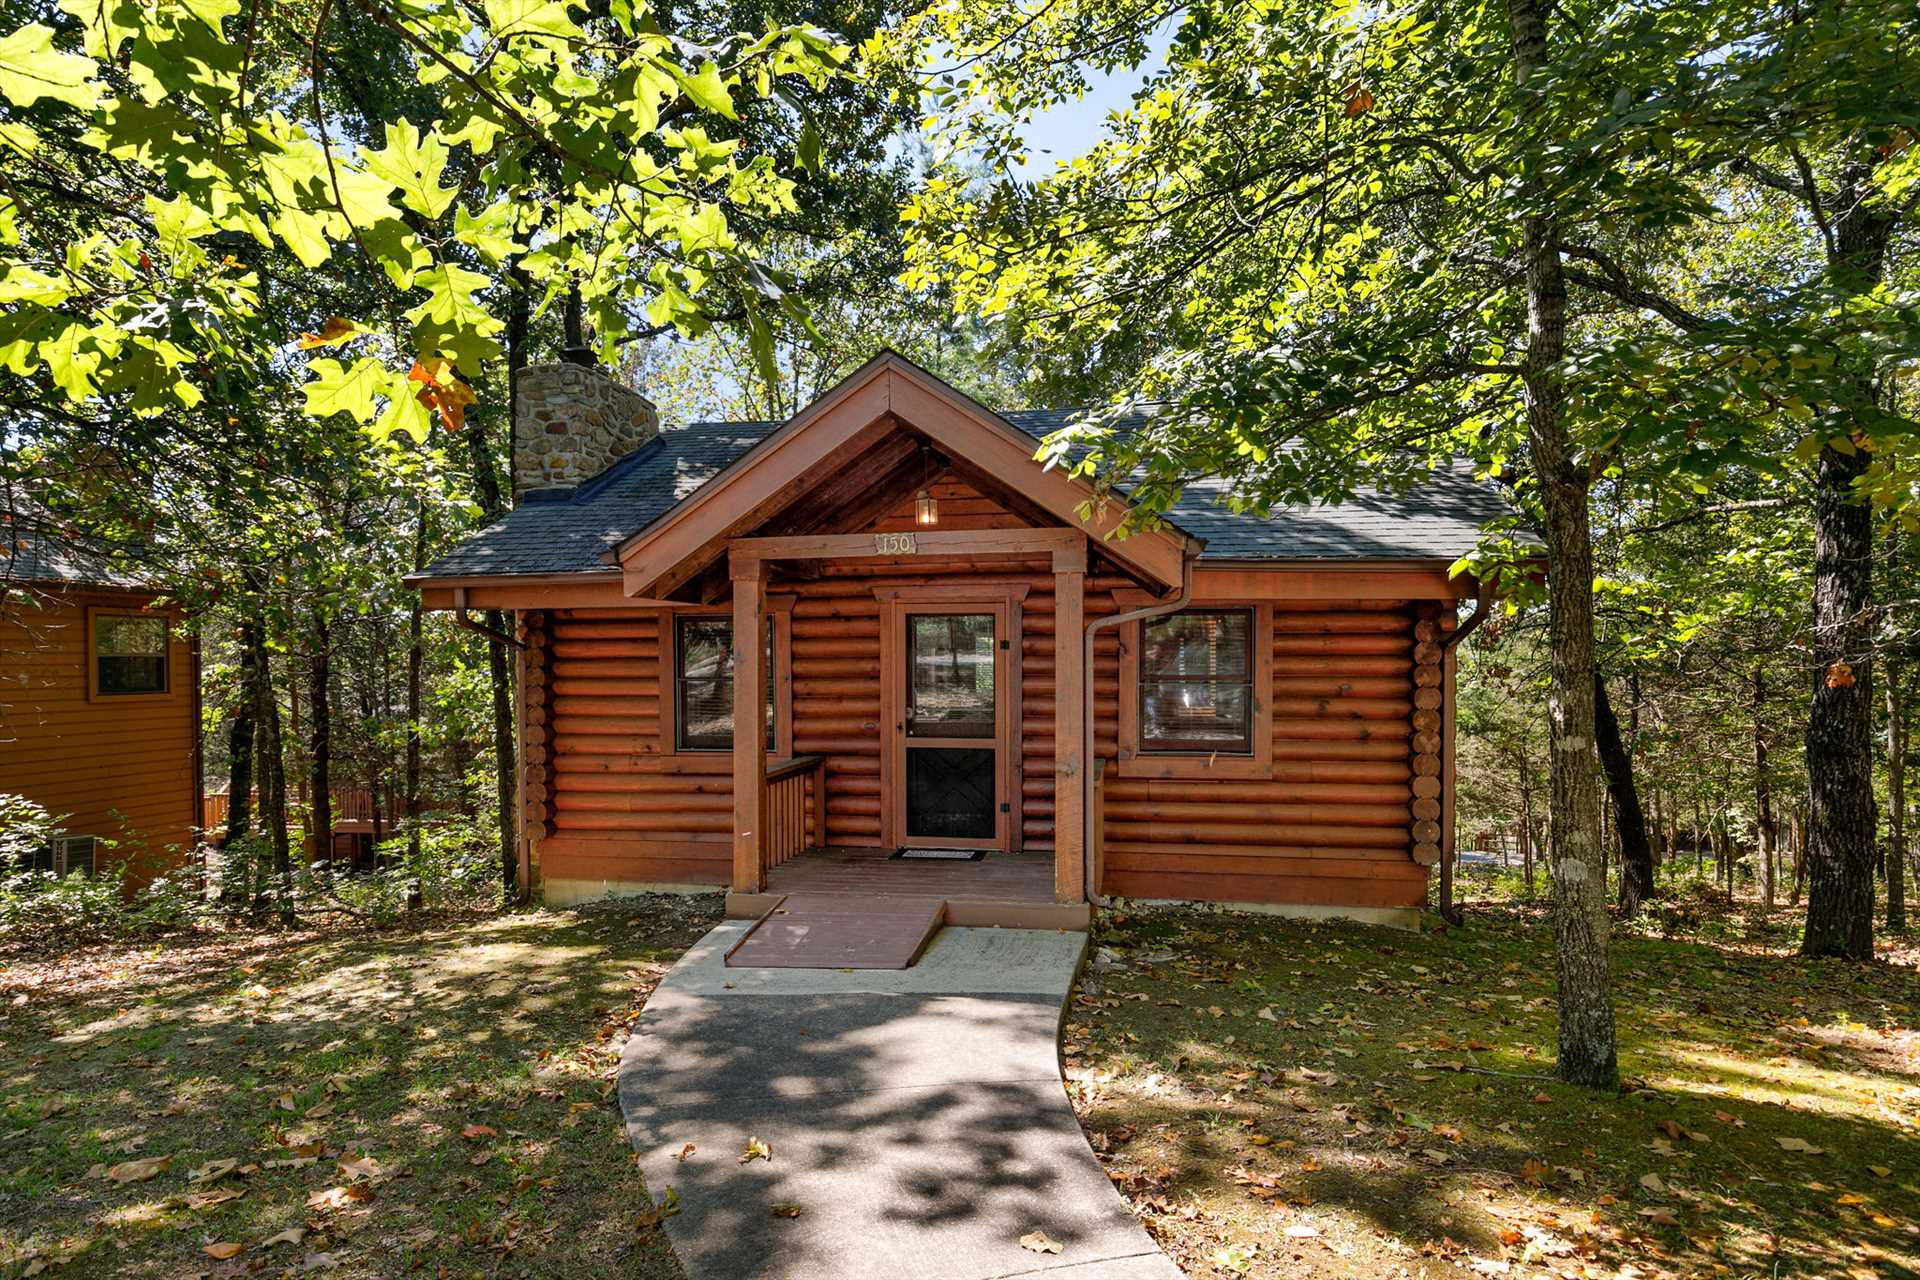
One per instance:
[(571, 422)]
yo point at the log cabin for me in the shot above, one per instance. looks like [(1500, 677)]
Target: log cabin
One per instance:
[(960, 684), (99, 702)]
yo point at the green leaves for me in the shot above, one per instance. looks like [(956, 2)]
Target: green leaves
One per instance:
[(708, 90), (508, 18), (333, 387), (32, 69), (414, 165), (565, 175)]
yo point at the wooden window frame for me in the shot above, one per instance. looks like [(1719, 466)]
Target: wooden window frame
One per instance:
[(94, 692), (1135, 761), (780, 616)]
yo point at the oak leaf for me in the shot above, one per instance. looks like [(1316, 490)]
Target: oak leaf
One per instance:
[(140, 1170), (1040, 1242)]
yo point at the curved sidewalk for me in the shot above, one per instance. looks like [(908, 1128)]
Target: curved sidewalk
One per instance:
[(916, 1117)]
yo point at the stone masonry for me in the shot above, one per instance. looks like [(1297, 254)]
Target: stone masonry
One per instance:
[(571, 422)]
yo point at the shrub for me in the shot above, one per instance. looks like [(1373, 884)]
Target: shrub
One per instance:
[(39, 909), (456, 870)]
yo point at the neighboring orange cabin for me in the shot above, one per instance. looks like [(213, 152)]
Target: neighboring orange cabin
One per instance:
[(99, 721)]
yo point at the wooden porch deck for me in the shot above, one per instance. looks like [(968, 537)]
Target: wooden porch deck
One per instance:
[(1005, 890)]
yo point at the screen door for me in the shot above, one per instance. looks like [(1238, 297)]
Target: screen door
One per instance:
[(950, 734)]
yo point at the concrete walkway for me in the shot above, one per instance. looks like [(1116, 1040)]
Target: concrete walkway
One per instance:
[(915, 1116)]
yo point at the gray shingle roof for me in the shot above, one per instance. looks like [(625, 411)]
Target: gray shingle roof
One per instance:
[(35, 548), (1438, 519)]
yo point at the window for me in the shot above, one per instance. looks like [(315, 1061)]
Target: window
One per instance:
[(129, 654), (1196, 683), (703, 683), (63, 856)]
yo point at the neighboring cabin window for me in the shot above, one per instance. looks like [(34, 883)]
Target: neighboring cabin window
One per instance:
[(129, 654), (1196, 682), (703, 683)]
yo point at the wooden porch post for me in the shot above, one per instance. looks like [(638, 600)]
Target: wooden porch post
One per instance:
[(1069, 724), (749, 724)]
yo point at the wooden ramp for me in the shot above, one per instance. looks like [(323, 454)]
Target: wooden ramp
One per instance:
[(826, 931)]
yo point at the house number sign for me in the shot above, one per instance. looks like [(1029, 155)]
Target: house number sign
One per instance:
[(893, 544)]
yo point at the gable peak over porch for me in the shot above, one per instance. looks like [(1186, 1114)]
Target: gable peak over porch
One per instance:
[(883, 432)]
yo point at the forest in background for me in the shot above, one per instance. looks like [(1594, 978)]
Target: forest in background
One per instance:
[(270, 272)]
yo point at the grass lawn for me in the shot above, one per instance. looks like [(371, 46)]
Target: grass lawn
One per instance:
[(362, 1104), (1274, 1098), (1290, 1099)]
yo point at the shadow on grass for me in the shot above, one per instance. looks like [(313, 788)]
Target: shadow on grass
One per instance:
[(470, 1062)]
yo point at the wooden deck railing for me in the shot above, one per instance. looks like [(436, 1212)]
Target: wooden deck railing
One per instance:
[(351, 804), (795, 809)]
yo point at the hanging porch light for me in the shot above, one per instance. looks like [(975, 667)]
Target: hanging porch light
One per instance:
[(926, 509)]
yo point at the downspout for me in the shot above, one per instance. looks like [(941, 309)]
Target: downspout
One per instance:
[(1174, 605), (1483, 601)]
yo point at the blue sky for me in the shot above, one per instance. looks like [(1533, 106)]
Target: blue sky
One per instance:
[(1071, 128)]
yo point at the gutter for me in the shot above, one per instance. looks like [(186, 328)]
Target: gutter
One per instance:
[(1174, 605)]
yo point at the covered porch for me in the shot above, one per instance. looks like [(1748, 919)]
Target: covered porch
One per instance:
[(778, 844)]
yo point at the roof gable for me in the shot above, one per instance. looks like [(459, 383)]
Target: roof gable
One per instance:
[(862, 410)]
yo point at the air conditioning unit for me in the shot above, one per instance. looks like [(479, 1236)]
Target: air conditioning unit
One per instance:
[(73, 853)]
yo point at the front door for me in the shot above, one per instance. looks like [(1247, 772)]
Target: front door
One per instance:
[(949, 755)]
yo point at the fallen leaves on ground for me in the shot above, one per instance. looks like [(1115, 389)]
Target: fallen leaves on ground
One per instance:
[(1040, 1242)]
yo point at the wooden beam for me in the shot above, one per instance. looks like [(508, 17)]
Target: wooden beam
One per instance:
[(772, 474), (570, 591), (1284, 581), (831, 433), (749, 726), (1069, 733), (1007, 455), (906, 546)]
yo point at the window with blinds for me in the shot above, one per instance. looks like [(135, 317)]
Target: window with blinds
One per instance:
[(1196, 682)]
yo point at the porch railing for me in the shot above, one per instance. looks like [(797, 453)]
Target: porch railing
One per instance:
[(795, 809)]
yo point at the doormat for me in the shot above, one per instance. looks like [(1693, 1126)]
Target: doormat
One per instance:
[(943, 855)]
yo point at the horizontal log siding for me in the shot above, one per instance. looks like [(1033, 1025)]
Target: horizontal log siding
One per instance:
[(1332, 826), (123, 768)]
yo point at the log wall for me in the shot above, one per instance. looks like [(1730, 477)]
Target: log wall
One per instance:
[(1334, 825)]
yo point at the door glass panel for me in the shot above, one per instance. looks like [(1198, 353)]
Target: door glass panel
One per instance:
[(950, 676), (950, 793)]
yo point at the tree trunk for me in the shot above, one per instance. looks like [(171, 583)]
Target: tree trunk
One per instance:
[(1799, 856), (499, 671), (1840, 820), (1762, 789), (1840, 817), (1526, 835), (1896, 801), (320, 740), (415, 655), (1587, 1053), (1636, 855), (240, 745), (273, 779)]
